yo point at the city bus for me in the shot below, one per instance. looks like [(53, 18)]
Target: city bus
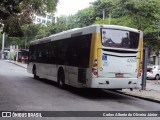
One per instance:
[(96, 56)]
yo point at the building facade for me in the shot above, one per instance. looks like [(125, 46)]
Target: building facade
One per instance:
[(42, 19), (154, 59)]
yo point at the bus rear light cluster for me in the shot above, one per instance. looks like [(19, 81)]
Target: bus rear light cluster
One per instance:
[(94, 71), (140, 70), (95, 65), (141, 64), (140, 73), (94, 68)]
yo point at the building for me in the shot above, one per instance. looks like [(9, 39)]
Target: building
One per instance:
[(42, 19), (153, 58)]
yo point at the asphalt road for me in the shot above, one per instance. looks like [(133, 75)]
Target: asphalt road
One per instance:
[(20, 92)]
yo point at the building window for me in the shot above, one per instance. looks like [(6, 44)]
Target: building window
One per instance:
[(43, 21), (34, 18), (49, 17), (38, 20)]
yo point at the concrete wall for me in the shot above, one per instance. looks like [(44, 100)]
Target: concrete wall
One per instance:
[(154, 59)]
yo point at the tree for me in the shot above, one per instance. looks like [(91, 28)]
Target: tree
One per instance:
[(85, 17), (14, 13), (63, 23), (141, 12), (100, 5), (143, 15)]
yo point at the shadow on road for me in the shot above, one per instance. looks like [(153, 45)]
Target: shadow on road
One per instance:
[(87, 92), (152, 79)]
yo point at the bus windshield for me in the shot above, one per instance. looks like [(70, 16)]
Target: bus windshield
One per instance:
[(119, 38)]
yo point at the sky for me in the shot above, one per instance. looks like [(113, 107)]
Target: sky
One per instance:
[(68, 7)]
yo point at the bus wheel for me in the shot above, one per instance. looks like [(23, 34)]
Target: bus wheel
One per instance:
[(61, 79), (35, 73), (157, 77)]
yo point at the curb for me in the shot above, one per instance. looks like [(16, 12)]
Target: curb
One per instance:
[(16, 64), (144, 98)]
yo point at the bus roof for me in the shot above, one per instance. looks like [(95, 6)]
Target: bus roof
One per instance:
[(80, 31)]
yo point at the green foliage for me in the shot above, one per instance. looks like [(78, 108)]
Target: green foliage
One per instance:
[(124, 21), (152, 40), (12, 27), (30, 31), (63, 23), (140, 14), (41, 6), (100, 5), (15, 13), (85, 17)]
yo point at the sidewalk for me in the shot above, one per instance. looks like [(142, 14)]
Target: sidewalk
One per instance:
[(24, 65), (152, 92)]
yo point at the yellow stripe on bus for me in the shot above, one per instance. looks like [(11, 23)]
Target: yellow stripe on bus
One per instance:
[(95, 44), (140, 54)]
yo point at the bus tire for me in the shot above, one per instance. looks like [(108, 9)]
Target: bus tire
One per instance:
[(157, 77), (35, 73), (61, 78)]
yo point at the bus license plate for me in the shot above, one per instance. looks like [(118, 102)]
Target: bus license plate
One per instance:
[(119, 75)]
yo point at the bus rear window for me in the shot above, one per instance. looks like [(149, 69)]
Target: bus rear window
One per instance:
[(119, 38)]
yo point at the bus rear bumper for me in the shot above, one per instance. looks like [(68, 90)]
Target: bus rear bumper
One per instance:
[(114, 83)]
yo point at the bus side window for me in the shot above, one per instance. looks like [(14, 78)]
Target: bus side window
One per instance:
[(73, 51), (30, 54)]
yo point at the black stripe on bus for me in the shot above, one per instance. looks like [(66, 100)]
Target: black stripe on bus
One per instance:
[(118, 56), (119, 51)]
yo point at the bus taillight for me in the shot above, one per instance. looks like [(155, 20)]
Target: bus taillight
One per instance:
[(94, 71), (94, 68), (95, 65), (140, 73), (141, 63)]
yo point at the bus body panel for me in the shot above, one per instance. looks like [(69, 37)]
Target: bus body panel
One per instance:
[(79, 79), (48, 71), (112, 64), (73, 76), (113, 83), (30, 67)]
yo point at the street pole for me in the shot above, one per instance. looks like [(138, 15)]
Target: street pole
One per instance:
[(25, 42), (17, 53), (103, 14), (109, 18), (145, 60), (3, 40)]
